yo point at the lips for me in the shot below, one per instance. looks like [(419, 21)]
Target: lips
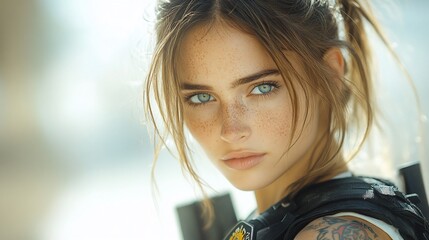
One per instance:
[(242, 160)]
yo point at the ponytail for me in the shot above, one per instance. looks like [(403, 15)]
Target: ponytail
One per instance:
[(357, 106), (359, 75), (355, 13)]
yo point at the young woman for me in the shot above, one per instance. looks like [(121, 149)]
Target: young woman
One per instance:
[(272, 90)]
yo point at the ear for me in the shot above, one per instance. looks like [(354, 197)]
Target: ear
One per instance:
[(335, 60)]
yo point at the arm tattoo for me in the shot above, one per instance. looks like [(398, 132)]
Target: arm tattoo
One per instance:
[(332, 228)]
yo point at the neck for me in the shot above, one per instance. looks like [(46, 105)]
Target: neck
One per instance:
[(271, 194)]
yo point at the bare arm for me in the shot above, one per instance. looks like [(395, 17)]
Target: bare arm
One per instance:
[(339, 228)]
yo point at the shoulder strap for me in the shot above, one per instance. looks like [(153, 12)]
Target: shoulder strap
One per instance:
[(367, 196)]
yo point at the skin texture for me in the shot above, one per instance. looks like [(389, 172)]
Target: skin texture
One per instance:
[(239, 120), (226, 114)]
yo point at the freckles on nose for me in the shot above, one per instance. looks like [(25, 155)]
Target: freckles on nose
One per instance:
[(234, 125), (234, 112)]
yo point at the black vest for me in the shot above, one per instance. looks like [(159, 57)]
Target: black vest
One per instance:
[(371, 197)]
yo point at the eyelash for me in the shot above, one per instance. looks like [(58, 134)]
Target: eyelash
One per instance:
[(188, 97), (274, 84)]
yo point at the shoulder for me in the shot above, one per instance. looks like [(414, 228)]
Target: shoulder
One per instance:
[(333, 228)]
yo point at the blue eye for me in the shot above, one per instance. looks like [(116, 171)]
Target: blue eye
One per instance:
[(201, 98), (263, 89)]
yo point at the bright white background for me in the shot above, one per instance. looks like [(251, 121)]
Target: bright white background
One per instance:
[(73, 84)]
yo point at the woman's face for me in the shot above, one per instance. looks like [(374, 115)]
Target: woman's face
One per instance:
[(237, 107)]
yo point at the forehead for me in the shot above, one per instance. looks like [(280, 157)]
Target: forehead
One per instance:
[(221, 52)]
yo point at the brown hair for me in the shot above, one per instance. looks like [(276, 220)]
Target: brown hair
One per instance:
[(309, 29)]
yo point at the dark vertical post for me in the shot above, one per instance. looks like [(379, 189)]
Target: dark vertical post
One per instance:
[(413, 181), (192, 223)]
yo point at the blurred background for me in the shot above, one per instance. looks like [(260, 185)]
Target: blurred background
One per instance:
[(75, 156)]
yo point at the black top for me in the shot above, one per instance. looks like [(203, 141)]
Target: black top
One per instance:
[(372, 197)]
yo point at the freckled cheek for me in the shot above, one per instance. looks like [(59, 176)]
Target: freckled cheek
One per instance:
[(202, 126), (273, 123)]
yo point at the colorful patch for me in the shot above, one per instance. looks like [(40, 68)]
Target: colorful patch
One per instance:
[(242, 231)]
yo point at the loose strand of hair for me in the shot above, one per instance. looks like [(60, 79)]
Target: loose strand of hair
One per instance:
[(364, 9)]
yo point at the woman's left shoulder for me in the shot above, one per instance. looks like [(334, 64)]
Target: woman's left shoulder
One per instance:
[(344, 227)]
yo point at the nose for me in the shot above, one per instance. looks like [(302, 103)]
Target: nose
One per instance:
[(234, 126)]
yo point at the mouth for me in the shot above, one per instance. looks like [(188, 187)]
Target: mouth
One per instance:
[(242, 160)]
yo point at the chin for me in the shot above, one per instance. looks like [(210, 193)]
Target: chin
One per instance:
[(247, 183), (244, 187)]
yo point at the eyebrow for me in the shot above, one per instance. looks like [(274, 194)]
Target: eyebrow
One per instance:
[(254, 77), (236, 83)]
